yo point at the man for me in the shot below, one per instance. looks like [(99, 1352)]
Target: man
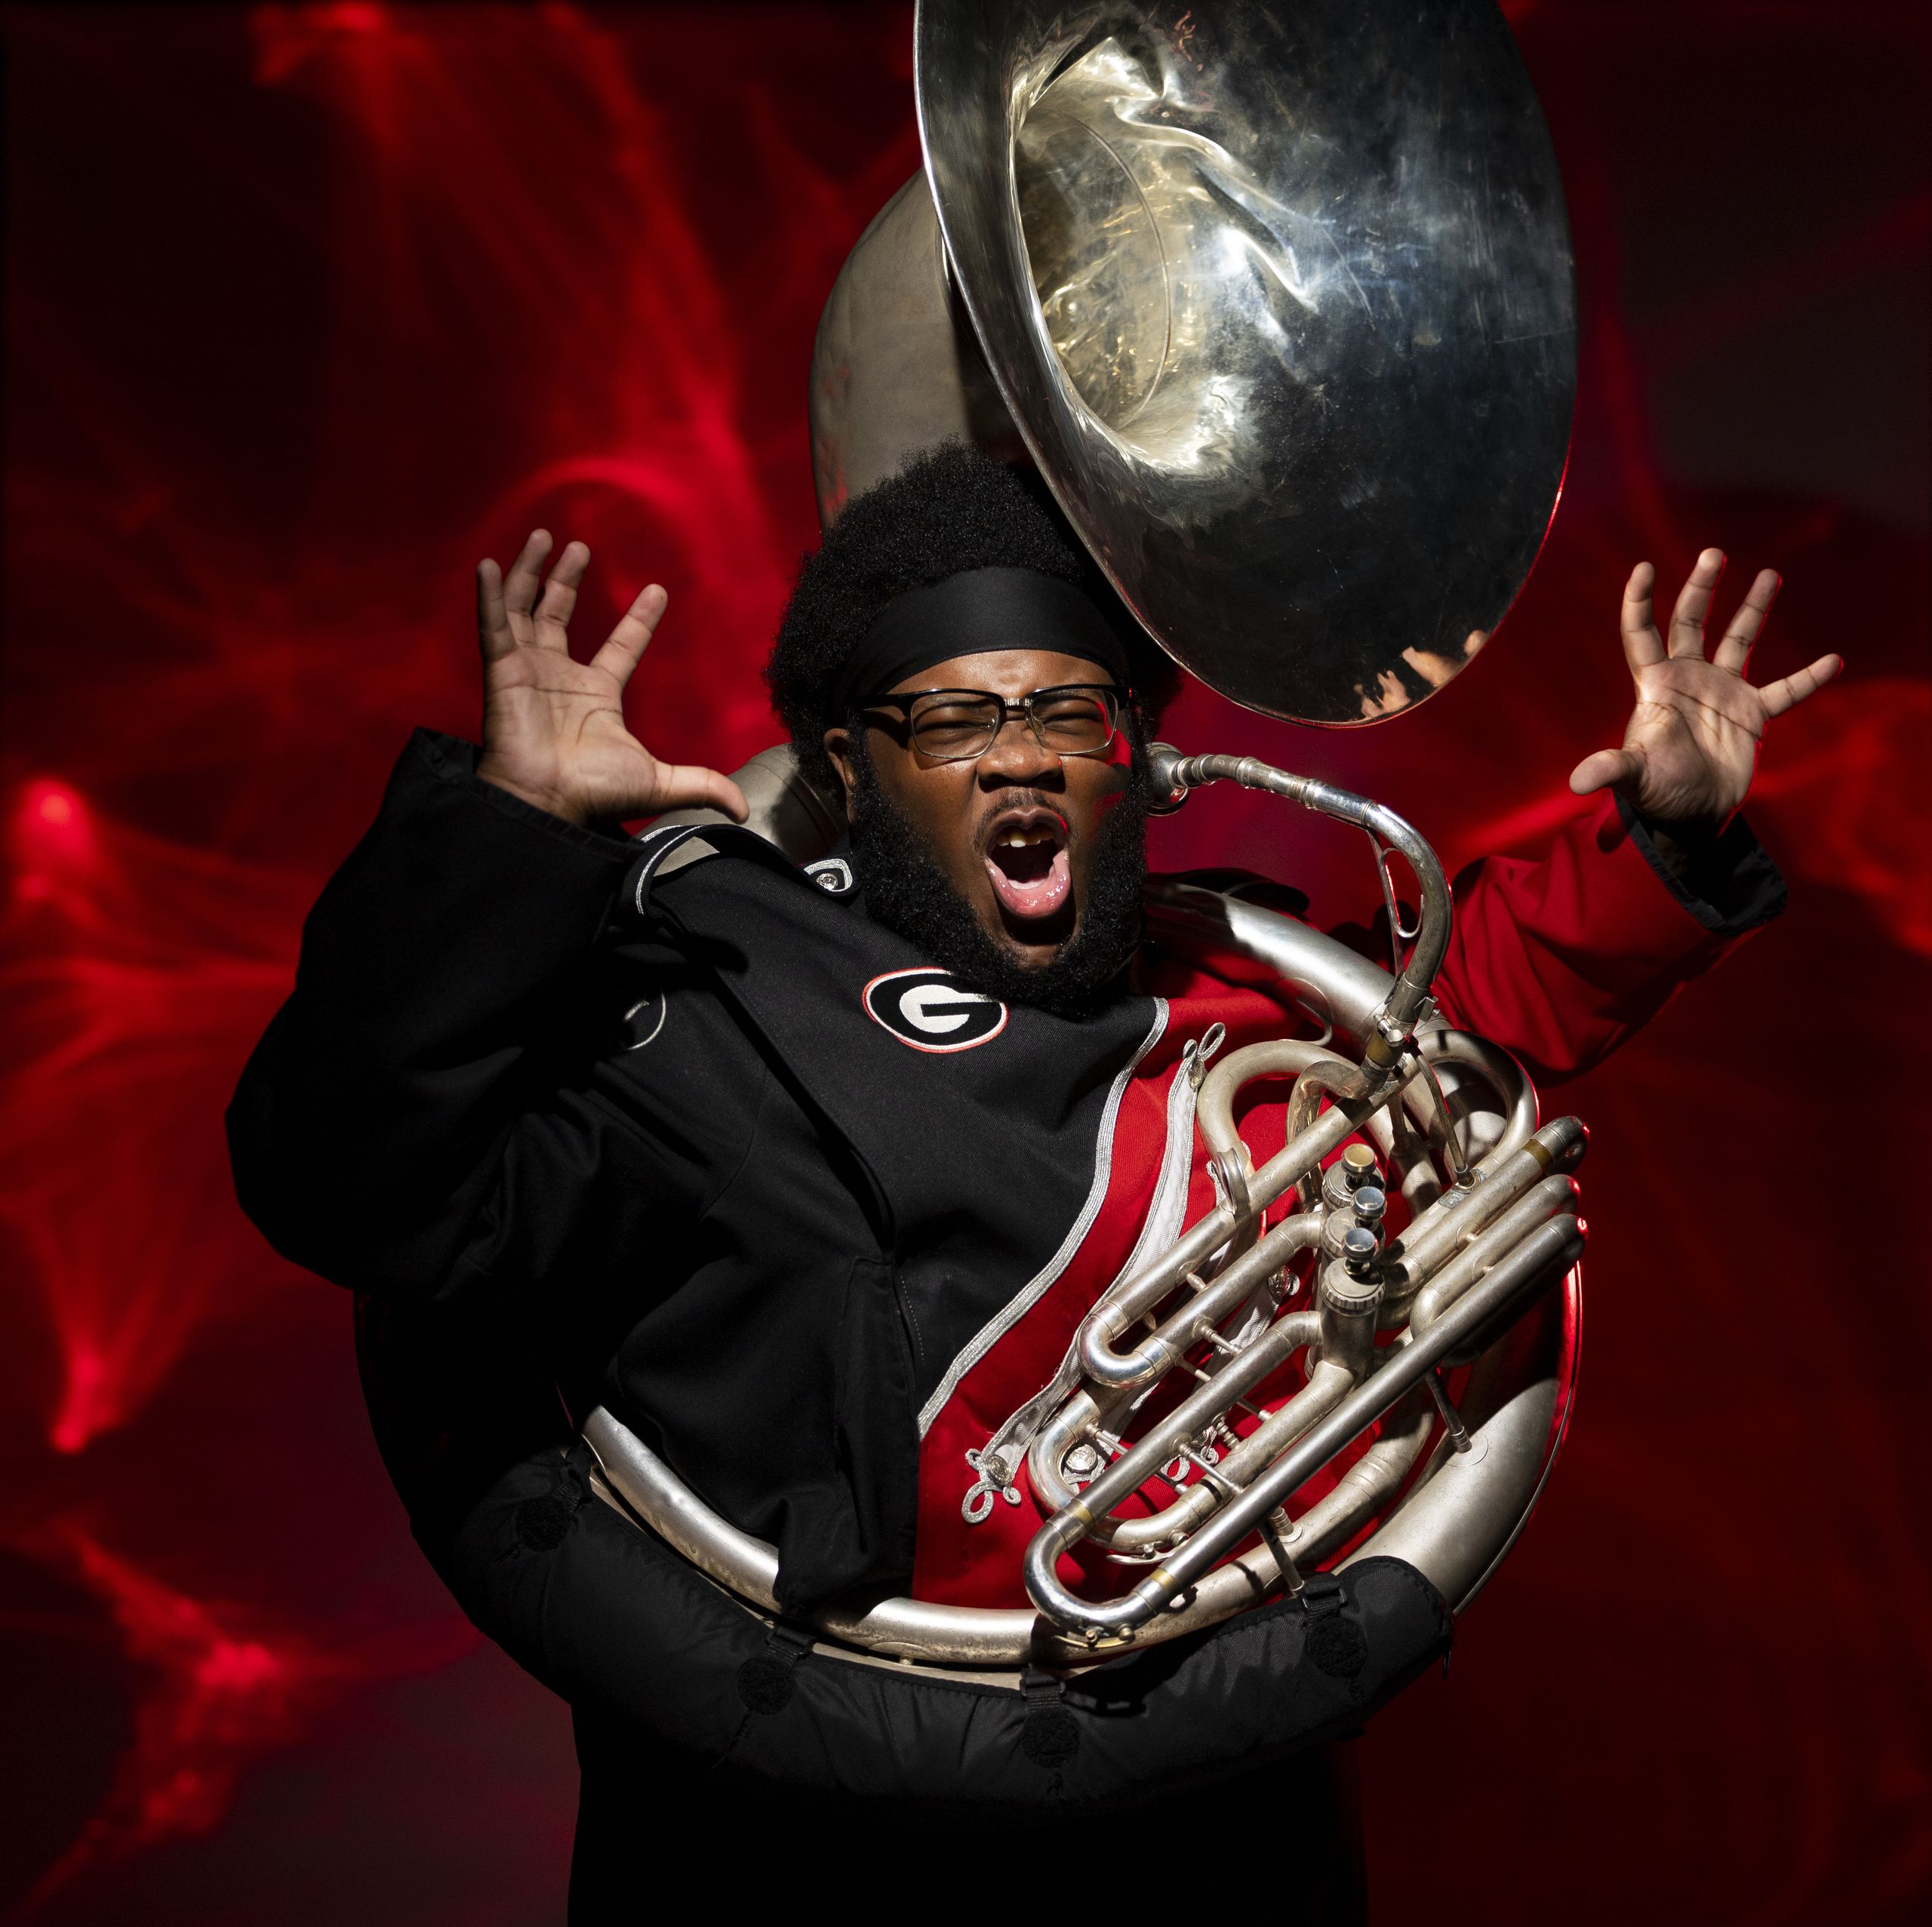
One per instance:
[(809, 1178)]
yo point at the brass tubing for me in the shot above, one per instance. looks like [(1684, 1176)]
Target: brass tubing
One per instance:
[(1465, 1509), (1405, 1153), (1163, 1349), (1540, 1260), (1072, 1425), (1371, 1480), (1176, 774), (1516, 1095), (1153, 1283), (1127, 1473), (1327, 1385), (1556, 1193), (1332, 1079), (1544, 1256), (1501, 1178), (1444, 1139), (1150, 1286), (1213, 1109), (1516, 1098)]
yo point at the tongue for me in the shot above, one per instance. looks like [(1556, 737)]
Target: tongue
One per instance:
[(1030, 895)]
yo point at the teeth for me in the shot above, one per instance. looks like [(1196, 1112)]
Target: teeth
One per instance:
[(1024, 839)]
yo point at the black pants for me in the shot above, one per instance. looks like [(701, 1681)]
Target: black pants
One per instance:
[(697, 1726), (652, 1823)]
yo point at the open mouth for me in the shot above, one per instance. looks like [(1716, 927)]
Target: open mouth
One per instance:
[(1027, 859)]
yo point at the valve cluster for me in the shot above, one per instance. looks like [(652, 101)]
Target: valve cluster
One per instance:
[(1351, 1290)]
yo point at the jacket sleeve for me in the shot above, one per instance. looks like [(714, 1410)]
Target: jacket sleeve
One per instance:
[(1559, 960), (410, 1116)]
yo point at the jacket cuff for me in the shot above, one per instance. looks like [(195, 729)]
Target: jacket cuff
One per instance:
[(454, 761), (1728, 881)]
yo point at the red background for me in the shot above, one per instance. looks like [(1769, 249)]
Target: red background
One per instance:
[(306, 309)]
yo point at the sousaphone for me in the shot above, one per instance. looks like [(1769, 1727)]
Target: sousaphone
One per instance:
[(1278, 301)]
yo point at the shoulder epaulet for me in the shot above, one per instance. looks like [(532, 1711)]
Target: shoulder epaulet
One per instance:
[(833, 875), (657, 846)]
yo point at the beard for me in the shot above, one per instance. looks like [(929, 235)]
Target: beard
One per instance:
[(906, 890)]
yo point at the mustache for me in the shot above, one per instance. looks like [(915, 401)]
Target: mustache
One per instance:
[(1007, 799)]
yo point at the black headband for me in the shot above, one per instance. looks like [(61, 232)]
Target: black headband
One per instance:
[(969, 614)]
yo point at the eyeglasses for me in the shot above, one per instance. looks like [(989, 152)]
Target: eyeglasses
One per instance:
[(961, 725)]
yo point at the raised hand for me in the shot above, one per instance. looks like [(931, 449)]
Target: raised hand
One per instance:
[(1692, 742), (553, 728)]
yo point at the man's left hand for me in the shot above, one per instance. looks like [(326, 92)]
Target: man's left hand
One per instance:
[(1692, 743)]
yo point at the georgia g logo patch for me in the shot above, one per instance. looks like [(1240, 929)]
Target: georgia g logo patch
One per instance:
[(931, 1010)]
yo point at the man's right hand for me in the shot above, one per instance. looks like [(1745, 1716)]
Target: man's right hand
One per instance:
[(553, 729)]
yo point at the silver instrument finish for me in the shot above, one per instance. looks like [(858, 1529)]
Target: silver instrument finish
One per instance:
[(1446, 1140), (1278, 300), (1283, 305), (1281, 301)]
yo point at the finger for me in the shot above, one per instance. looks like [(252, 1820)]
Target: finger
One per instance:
[(1642, 645), (493, 624), (520, 585), (688, 785), (624, 648), (1777, 697), (553, 612), (1734, 652), (1605, 767), (1694, 604)]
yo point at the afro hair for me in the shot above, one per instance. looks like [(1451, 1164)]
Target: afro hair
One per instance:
[(947, 511)]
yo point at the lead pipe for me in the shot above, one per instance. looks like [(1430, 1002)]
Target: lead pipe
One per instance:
[(1178, 774)]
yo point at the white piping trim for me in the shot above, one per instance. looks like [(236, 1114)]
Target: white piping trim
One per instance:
[(667, 837), (1167, 1210), (1016, 1308)]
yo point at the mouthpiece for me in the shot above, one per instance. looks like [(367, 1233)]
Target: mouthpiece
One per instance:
[(1163, 765)]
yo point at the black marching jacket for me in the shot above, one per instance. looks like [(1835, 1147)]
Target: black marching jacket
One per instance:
[(654, 1139), (561, 1112)]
